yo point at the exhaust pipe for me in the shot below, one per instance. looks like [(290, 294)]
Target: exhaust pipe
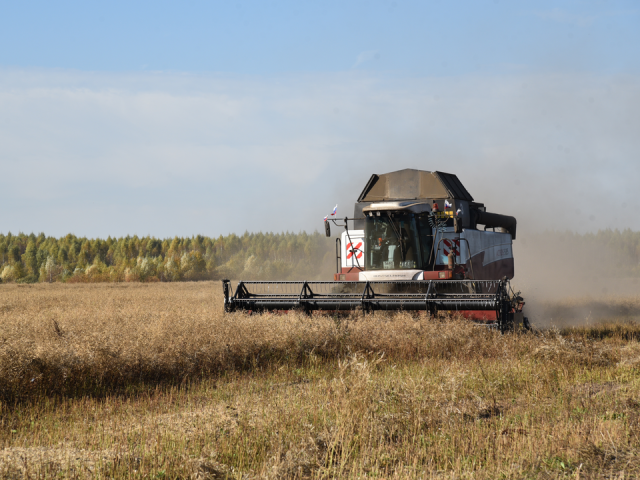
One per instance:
[(494, 220)]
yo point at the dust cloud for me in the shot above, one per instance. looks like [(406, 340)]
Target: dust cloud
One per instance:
[(566, 283)]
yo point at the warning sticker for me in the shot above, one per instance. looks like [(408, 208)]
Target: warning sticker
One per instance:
[(357, 250)]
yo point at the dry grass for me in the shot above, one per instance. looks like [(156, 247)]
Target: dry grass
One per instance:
[(154, 381)]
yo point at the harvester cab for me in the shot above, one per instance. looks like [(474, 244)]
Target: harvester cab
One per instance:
[(415, 245)]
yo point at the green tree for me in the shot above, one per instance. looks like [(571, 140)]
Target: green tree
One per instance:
[(154, 247), (40, 240), (198, 264), (174, 248), (13, 253), (18, 270), (30, 258), (84, 256), (63, 255)]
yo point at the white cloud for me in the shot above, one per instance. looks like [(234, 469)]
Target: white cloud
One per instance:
[(171, 154), (366, 56)]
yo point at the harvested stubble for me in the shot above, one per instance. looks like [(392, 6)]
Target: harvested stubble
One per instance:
[(154, 381)]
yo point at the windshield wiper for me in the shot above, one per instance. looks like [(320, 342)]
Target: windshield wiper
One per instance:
[(400, 242)]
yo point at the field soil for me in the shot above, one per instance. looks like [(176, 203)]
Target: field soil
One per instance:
[(155, 381)]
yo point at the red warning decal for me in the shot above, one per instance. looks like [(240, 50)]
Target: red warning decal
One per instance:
[(355, 249), (451, 243)]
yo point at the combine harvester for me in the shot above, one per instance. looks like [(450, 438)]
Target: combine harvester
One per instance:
[(416, 244)]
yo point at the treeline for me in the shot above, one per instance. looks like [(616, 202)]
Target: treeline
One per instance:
[(31, 258), (259, 256)]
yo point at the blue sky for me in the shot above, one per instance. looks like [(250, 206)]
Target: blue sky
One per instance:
[(282, 37), (178, 118)]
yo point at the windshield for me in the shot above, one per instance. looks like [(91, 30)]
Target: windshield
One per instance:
[(397, 240)]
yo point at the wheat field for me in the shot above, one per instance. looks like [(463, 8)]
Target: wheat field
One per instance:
[(155, 381)]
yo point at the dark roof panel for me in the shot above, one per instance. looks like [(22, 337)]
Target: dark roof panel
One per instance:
[(454, 185)]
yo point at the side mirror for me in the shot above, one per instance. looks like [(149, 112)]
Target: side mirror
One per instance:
[(327, 228), (457, 224)]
